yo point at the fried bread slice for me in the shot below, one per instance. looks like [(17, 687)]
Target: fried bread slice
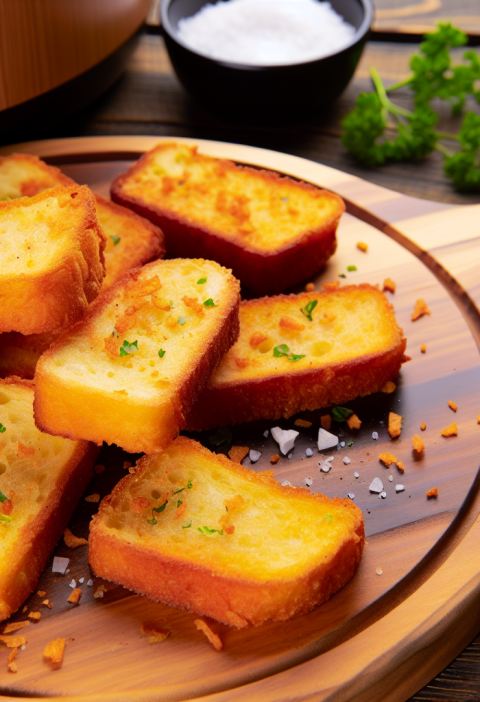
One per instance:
[(303, 352), (24, 175), (194, 530), (51, 255), (272, 231), (41, 480), (140, 357)]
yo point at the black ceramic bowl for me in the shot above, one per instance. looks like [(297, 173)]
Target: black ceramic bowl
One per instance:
[(258, 93)]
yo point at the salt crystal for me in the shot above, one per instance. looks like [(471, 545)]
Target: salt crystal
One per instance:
[(351, 495), (308, 481), (285, 438), (265, 433), (399, 488), (90, 582), (356, 475), (60, 564), (254, 455), (346, 460), (330, 459), (287, 483), (81, 580), (376, 485), (383, 495), (390, 478), (22, 648), (381, 421), (375, 435), (290, 455), (342, 444), (309, 452), (326, 467), (326, 440), (72, 584)]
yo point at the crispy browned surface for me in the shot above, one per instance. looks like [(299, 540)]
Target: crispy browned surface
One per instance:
[(38, 515), (250, 383), (234, 577), (140, 399), (52, 259), (216, 209), (23, 175)]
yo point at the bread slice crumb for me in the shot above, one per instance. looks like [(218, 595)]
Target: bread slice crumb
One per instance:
[(73, 541), (419, 310), (35, 616), (275, 458), (417, 443), (211, 636), (326, 422), (451, 430), (388, 458), (453, 405), (303, 423), (394, 424), (423, 426), (75, 596), (389, 387), (15, 626), (309, 287), (423, 348), (354, 422), (362, 246), (41, 593), (238, 453), (95, 497), (400, 466), (11, 665), (53, 653), (389, 284), (13, 641), (48, 604), (154, 635), (433, 492)]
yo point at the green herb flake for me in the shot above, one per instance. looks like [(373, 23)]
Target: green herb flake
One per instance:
[(283, 350), (187, 526), (350, 443), (308, 309), (179, 502), (209, 303), (3, 497), (172, 306), (329, 518), (350, 269), (201, 281), (341, 414), (179, 490), (5, 518), (161, 508), (152, 521), (189, 485), (2, 428), (342, 275), (223, 435), (207, 530), (161, 353), (182, 320), (116, 239), (127, 348)]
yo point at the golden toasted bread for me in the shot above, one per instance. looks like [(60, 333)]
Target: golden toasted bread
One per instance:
[(22, 175), (51, 255), (130, 371), (194, 530), (41, 479), (272, 231), (303, 352)]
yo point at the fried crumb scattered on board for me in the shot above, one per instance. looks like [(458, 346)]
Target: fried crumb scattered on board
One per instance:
[(15, 626), (11, 665), (326, 422), (388, 458), (99, 468), (423, 348), (389, 387), (478, 419), (309, 287), (48, 604), (362, 246), (451, 430), (95, 497), (423, 426), (389, 284), (417, 443), (238, 453), (354, 422), (154, 634), (24, 609), (41, 593), (420, 309), (13, 641), (453, 405), (275, 458), (35, 616), (433, 492), (100, 591), (73, 541), (303, 423), (333, 285), (394, 424), (53, 653), (75, 595), (211, 636)]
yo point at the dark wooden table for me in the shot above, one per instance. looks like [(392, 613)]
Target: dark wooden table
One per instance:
[(148, 100)]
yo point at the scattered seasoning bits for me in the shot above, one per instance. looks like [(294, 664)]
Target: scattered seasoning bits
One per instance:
[(11, 665), (341, 414), (2, 428), (423, 348), (433, 492), (453, 405), (354, 422), (350, 443), (73, 541), (15, 626), (362, 246), (376, 485), (309, 452), (342, 275), (285, 438), (275, 458), (350, 269), (308, 482), (308, 309), (208, 303), (53, 653), (419, 310), (387, 458), (128, 348), (100, 591), (389, 387), (346, 460), (351, 495), (265, 433), (201, 281), (423, 426), (356, 475), (451, 430), (394, 424), (389, 284), (309, 287), (154, 635), (379, 571), (35, 616), (375, 435), (89, 582), (41, 593), (254, 456), (95, 497), (47, 603), (161, 353), (283, 350), (211, 636), (383, 495), (303, 423), (417, 443), (116, 239), (13, 641), (99, 469), (75, 596), (60, 565), (399, 488), (238, 453), (390, 478), (326, 421)]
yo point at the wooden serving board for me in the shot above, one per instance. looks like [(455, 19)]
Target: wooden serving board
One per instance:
[(384, 635)]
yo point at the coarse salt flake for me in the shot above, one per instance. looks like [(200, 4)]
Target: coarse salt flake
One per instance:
[(374, 435), (351, 495), (285, 438), (60, 564), (308, 482), (399, 488), (383, 495), (265, 433), (356, 475), (72, 583), (309, 452), (379, 571), (376, 485), (254, 455), (326, 440), (346, 460)]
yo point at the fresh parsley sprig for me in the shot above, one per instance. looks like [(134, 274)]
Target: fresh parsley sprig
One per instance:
[(128, 348), (308, 309), (283, 350)]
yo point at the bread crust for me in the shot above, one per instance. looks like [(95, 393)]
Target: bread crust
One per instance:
[(262, 272), (72, 280), (295, 390), (36, 539), (239, 600)]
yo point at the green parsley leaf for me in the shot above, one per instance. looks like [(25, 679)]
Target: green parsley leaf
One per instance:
[(350, 443), (2, 428), (179, 502), (283, 350), (127, 348), (207, 530), (179, 490), (223, 435), (115, 239), (201, 281), (308, 309), (161, 508), (342, 275), (3, 497), (187, 526), (464, 167), (296, 356), (351, 268), (329, 518), (161, 353), (189, 485), (182, 320), (5, 518), (152, 521), (172, 306), (341, 414), (209, 303)]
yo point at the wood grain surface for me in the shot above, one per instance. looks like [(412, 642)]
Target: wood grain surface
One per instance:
[(383, 636)]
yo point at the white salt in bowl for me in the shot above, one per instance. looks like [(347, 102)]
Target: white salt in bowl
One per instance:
[(265, 93)]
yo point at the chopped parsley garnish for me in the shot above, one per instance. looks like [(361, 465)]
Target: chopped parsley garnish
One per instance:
[(201, 281), (172, 306), (207, 530), (329, 518), (341, 414), (127, 348), (179, 502), (350, 443), (115, 239), (152, 521), (161, 353), (187, 526), (283, 350), (182, 320), (209, 303), (179, 490), (351, 268), (308, 309), (342, 275), (3, 497), (189, 485), (2, 428), (5, 518), (223, 435), (161, 508)]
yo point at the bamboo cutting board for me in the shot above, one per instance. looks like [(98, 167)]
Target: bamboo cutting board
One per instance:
[(414, 602)]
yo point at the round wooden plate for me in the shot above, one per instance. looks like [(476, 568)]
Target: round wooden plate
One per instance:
[(413, 603)]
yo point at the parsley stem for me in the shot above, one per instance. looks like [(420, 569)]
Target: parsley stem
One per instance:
[(443, 150), (401, 84), (446, 135), (382, 94)]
